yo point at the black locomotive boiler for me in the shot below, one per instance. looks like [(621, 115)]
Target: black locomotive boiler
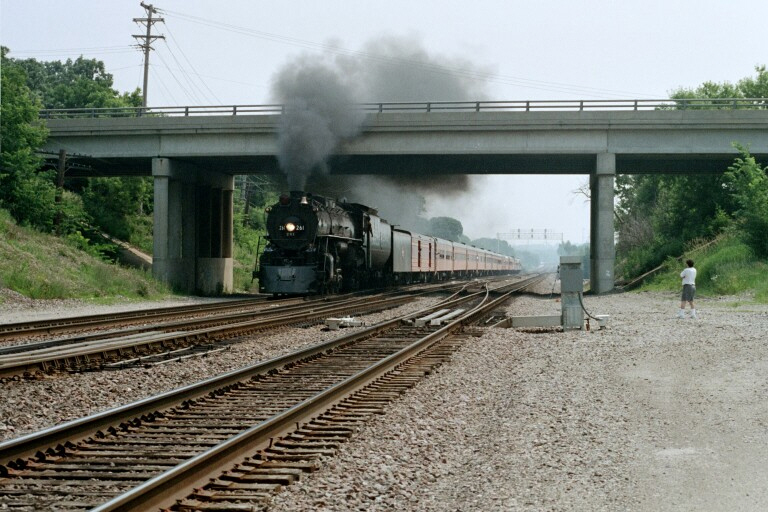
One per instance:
[(318, 245)]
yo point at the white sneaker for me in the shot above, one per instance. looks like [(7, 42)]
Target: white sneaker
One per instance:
[(680, 315)]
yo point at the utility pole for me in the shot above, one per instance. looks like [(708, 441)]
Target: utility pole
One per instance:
[(61, 169), (146, 44)]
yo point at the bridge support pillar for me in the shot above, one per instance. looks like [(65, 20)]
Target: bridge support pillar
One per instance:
[(192, 244), (601, 238)]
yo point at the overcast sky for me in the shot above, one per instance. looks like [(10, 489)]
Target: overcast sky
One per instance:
[(229, 52)]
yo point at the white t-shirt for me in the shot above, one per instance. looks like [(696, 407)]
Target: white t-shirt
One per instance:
[(689, 276)]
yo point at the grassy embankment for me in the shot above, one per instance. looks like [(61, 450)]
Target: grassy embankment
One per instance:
[(727, 267), (41, 266)]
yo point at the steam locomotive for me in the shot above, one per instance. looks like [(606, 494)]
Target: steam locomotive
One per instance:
[(318, 245)]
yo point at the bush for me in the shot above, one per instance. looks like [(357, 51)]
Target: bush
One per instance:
[(748, 185)]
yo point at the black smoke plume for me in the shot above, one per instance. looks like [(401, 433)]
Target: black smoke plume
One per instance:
[(319, 92), (319, 112)]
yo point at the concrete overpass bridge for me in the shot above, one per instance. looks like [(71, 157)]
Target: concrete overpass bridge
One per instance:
[(193, 153)]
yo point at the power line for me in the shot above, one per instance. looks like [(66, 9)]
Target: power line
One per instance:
[(188, 92), (250, 84), (165, 88), (146, 40), (190, 65), (194, 87), (125, 67), (471, 74), (73, 51)]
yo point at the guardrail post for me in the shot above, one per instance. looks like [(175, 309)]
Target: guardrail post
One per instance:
[(429, 107), (635, 104), (186, 111), (477, 107), (581, 105), (234, 110), (527, 106)]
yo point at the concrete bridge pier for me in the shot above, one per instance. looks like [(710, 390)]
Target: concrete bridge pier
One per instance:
[(193, 228), (602, 251)]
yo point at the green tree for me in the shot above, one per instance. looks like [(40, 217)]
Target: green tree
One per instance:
[(446, 227), (748, 184), (82, 83), (253, 193), (24, 191), (121, 207), (756, 87), (748, 87)]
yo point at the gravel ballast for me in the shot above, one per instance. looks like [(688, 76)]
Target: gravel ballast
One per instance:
[(650, 413)]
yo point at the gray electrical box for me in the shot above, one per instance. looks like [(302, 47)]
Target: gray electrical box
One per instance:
[(571, 275), (571, 288)]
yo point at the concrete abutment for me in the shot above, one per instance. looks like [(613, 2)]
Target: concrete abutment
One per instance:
[(193, 228)]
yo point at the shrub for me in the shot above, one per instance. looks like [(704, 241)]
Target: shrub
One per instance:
[(748, 185)]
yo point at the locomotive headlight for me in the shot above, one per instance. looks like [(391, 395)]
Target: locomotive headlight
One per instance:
[(291, 226)]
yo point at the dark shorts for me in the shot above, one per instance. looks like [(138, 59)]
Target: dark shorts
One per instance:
[(689, 291)]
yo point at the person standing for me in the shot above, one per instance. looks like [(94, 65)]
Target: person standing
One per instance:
[(689, 289)]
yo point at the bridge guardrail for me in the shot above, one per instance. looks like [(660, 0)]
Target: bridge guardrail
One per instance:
[(422, 106)]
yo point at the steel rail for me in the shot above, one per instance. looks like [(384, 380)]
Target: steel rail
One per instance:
[(421, 106), (64, 324)]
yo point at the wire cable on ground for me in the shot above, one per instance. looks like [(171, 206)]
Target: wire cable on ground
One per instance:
[(585, 309)]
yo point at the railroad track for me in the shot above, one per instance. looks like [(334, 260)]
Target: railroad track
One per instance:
[(98, 351), (284, 413), (192, 337), (57, 326), (194, 318)]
